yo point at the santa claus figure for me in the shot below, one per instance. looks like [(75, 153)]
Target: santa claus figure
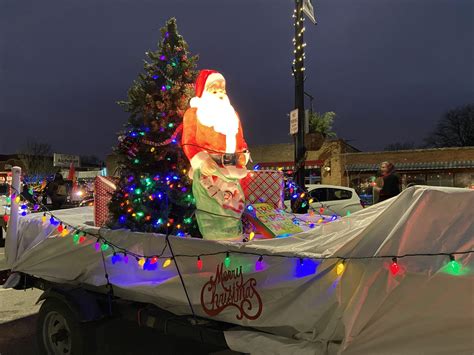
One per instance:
[(214, 143)]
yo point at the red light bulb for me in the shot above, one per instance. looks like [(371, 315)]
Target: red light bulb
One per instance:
[(60, 228), (394, 267), (154, 260), (199, 263)]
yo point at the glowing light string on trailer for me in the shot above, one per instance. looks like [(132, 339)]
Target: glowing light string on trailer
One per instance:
[(150, 262)]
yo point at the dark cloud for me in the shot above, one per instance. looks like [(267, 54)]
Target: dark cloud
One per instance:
[(388, 68)]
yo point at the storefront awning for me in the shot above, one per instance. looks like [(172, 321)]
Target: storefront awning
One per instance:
[(289, 165), (437, 165)]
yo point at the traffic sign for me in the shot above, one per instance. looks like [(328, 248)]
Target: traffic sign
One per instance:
[(294, 121)]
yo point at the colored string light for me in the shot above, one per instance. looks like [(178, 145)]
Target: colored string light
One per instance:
[(454, 266), (394, 267), (167, 263), (340, 267), (227, 260), (251, 235), (259, 263), (115, 258), (199, 263)]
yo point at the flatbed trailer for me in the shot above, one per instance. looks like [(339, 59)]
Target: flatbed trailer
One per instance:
[(70, 313), (383, 279)]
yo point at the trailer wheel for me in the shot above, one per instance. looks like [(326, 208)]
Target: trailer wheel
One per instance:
[(59, 331)]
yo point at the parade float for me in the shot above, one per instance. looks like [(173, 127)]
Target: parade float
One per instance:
[(188, 241)]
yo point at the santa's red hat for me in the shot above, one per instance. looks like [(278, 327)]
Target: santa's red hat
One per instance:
[(206, 76)]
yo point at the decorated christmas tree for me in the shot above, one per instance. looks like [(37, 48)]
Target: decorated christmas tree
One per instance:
[(154, 193)]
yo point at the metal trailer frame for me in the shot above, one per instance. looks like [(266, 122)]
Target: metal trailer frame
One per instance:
[(90, 304)]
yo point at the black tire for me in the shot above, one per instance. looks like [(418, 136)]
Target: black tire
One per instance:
[(59, 331)]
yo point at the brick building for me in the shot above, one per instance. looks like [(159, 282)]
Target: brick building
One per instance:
[(436, 167), (322, 165), (338, 163)]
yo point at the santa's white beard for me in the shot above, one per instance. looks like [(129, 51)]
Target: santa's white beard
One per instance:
[(220, 115)]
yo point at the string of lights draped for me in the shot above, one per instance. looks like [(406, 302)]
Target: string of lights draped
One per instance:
[(151, 262)]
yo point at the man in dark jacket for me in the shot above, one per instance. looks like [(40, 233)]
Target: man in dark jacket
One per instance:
[(57, 191), (391, 182)]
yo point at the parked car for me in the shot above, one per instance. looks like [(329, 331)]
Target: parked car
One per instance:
[(336, 199), (4, 189)]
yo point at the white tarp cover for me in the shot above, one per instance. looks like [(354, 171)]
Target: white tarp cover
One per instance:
[(304, 309)]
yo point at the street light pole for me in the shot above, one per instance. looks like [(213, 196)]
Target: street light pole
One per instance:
[(298, 72)]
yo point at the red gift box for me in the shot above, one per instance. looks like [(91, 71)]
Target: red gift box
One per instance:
[(265, 186), (103, 190)]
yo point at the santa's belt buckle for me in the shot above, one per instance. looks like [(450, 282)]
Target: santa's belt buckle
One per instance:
[(229, 159)]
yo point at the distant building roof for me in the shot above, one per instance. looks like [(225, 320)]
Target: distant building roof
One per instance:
[(437, 165)]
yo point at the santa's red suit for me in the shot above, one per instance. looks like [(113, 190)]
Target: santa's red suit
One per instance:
[(213, 141), (201, 140)]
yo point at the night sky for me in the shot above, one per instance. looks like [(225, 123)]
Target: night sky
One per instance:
[(388, 68)]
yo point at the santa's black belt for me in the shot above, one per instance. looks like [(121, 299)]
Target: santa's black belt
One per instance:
[(226, 158)]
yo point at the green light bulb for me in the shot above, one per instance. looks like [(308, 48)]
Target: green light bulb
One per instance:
[(104, 247), (455, 267), (227, 261)]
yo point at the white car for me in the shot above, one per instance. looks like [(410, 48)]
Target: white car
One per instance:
[(336, 199), (4, 206)]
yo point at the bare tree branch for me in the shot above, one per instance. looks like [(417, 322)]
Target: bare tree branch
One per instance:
[(454, 129), (37, 158)]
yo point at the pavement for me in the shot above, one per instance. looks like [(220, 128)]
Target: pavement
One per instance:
[(18, 314)]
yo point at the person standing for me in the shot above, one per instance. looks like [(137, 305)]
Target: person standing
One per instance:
[(57, 191), (390, 182)]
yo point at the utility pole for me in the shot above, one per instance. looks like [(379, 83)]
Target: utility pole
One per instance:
[(298, 72)]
